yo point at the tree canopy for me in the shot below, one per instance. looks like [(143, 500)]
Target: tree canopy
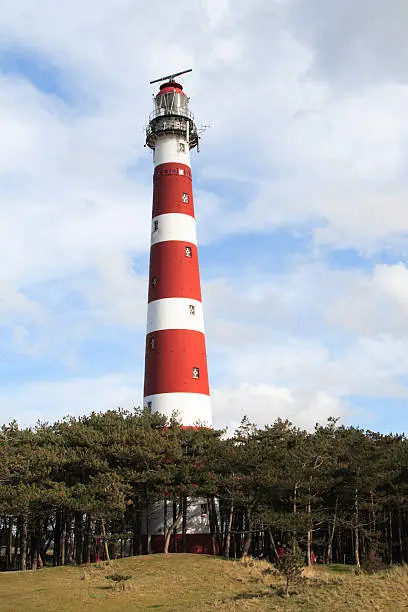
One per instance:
[(82, 487)]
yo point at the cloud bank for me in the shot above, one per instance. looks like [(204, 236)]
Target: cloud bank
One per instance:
[(300, 185)]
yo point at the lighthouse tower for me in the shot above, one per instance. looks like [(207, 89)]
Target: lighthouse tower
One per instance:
[(176, 377)]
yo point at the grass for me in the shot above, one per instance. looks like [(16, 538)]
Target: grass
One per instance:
[(197, 582)]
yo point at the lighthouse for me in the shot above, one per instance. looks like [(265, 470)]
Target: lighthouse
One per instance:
[(176, 376)]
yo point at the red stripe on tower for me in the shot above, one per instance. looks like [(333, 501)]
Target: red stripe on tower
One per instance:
[(172, 190), (176, 377)]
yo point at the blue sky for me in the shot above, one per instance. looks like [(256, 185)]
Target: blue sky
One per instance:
[(300, 190)]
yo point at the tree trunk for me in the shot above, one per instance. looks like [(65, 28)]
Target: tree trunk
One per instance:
[(356, 534), (32, 550), (148, 526), (63, 538), (294, 535), (148, 530), (112, 548), (70, 541), (294, 499), (175, 528), (211, 519), (234, 535), (90, 527), (79, 537), (184, 525), (137, 538), (248, 535), (272, 540), (247, 541), (17, 538), (286, 587), (9, 543), (36, 562), (40, 561), (309, 547), (23, 543), (329, 554), (56, 556), (373, 526), (309, 536), (165, 516), (105, 543), (390, 536), (216, 523), (400, 541), (43, 550), (172, 528), (228, 534)]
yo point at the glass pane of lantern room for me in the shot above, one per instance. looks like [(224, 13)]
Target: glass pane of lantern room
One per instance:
[(172, 102), (182, 101), (162, 101)]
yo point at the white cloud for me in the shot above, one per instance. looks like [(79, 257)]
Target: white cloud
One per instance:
[(265, 368), (354, 43), (263, 404), (47, 401), (15, 306), (308, 115), (73, 190), (313, 329), (116, 295)]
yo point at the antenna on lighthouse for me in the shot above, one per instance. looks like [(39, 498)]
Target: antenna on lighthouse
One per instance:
[(170, 77)]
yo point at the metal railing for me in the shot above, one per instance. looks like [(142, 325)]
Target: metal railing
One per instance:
[(171, 112), (171, 125)]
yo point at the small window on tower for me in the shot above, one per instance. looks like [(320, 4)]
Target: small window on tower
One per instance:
[(155, 226), (149, 405), (181, 171), (166, 171), (184, 198), (192, 309), (182, 147), (188, 251), (154, 282), (196, 373), (174, 171), (151, 343)]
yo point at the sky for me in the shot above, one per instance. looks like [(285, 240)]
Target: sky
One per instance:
[(301, 189)]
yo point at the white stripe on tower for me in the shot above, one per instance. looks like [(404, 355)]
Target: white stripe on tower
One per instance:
[(173, 226), (167, 150), (175, 313), (176, 378), (185, 404)]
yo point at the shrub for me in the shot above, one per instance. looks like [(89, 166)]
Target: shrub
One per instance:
[(372, 564), (119, 580), (290, 566)]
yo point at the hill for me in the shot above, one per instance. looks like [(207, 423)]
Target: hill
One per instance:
[(194, 582)]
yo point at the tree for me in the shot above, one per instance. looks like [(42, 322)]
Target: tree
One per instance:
[(291, 566)]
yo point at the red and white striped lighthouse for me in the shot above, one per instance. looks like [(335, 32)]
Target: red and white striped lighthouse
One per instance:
[(176, 377)]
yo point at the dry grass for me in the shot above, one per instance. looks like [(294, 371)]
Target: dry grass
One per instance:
[(195, 582)]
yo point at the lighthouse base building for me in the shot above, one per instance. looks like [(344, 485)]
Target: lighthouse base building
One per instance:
[(195, 537)]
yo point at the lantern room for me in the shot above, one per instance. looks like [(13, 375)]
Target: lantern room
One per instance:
[(171, 116), (171, 100)]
